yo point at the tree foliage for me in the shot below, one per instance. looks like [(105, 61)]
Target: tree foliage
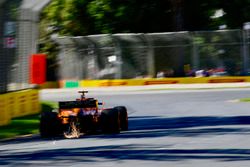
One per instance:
[(83, 17), (237, 12)]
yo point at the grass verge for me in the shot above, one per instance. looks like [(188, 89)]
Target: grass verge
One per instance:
[(245, 100), (25, 125)]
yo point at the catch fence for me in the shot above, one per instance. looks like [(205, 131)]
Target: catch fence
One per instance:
[(174, 54)]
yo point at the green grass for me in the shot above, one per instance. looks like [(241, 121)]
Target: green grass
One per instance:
[(48, 105), (20, 126), (245, 100), (25, 125)]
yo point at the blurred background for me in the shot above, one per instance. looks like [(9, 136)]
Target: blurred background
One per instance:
[(112, 39)]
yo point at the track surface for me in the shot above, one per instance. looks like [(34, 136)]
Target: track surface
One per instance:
[(166, 128)]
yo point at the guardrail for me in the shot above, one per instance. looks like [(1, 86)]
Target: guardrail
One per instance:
[(17, 104)]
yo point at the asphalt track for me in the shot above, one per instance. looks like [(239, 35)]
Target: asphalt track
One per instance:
[(190, 128)]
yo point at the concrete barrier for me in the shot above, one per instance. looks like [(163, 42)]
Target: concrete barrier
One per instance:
[(17, 104), (140, 82), (154, 81)]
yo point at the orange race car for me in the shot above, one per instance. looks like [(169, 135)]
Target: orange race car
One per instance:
[(83, 116)]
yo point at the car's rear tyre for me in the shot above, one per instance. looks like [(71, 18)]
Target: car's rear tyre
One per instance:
[(49, 125), (123, 117), (110, 121)]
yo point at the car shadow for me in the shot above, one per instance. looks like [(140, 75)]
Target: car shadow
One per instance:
[(144, 127), (69, 156)]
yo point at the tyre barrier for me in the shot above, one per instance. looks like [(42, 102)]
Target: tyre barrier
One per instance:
[(17, 104)]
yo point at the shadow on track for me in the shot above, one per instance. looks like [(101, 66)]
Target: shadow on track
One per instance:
[(138, 123), (146, 127), (121, 152)]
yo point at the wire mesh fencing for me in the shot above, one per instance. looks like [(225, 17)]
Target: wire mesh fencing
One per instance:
[(221, 51), (175, 54)]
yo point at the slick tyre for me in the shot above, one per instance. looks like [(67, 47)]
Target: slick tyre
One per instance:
[(110, 121), (49, 124), (123, 117)]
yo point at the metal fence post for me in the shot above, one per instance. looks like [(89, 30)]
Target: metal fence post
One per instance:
[(92, 55), (246, 34), (2, 72), (118, 54), (195, 54), (150, 56)]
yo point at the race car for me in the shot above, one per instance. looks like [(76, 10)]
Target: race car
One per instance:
[(83, 116)]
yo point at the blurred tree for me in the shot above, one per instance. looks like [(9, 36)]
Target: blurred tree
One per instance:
[(114, 16), (236, 12), (199, 14), (82, 17), (68, 17)]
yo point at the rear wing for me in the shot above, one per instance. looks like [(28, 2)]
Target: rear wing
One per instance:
[(78, 104)]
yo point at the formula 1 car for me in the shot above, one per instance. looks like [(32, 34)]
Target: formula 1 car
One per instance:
[(83, 116)]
